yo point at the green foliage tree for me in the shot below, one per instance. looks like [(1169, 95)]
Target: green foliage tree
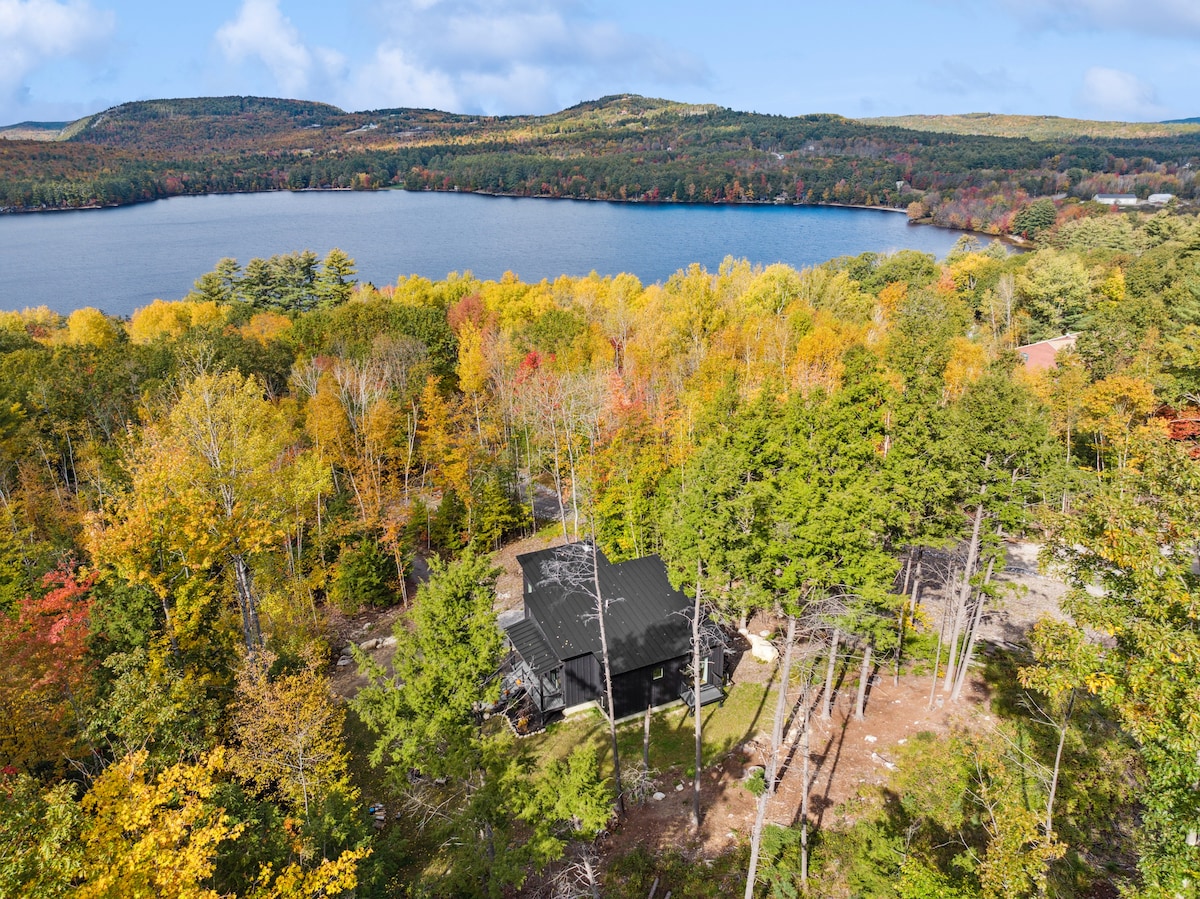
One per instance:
[(1130, 559), (424, 715), (40, 853), (1035, 219), (335, 282), (362, 577)]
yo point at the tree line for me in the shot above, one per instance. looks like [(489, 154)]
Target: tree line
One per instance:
[(621, 148)]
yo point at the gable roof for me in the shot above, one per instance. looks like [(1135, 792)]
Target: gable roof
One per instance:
[(1042, 354), (528, 640), (647, 620)]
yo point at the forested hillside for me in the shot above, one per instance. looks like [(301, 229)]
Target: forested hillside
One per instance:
[(193, 501), (617, 148), (1037, 127)]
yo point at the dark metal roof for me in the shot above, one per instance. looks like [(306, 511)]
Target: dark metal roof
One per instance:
[(527, 640), (646, 619)]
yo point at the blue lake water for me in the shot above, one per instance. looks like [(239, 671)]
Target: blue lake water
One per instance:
[(120, 259)]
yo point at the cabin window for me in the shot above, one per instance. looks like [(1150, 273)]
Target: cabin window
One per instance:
[(704, 671), (660, 673)]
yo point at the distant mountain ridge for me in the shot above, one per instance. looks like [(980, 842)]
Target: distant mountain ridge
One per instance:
[(972, 172), (1036, 127), (33, 130), (114, 125)]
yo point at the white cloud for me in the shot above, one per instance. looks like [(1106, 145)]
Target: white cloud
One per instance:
[(492, 56), (1163, 18), (262, 32), (518, 87), (34, 32), (1112, 92), (515, 56), (390, 79)]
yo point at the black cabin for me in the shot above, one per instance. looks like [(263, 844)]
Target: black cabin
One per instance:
[(556, 660)]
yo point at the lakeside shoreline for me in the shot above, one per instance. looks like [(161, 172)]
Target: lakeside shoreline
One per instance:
[(636, 201)]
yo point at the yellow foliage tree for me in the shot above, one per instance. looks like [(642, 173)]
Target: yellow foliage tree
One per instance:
[(206, 490), (968, 361), (158, 320), (90, 326), (818, 359), (162, 319), (289, 733), (1114, 285), (472, 365), (1114, 407), (153, 837), (265, 327)]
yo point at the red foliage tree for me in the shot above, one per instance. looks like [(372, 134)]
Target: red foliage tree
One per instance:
[(43, 642)]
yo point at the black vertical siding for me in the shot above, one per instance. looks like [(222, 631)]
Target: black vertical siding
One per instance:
[(634, 690), (582, 680)]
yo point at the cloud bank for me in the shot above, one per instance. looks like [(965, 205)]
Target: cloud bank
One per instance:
[(1112, 92), (36, 32), (483, 56), (261, 32), (1161, 18)]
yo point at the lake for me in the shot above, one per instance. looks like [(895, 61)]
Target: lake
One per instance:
[(120, 259)]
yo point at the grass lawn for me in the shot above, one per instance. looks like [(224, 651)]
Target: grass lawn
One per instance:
[(747, 710)]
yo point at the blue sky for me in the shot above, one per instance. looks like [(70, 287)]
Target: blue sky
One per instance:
[(1104, 59)]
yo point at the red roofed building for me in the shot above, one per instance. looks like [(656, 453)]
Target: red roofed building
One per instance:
[(1041, 355)]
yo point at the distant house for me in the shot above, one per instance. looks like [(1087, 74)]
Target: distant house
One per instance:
[(556, 653), (1160, 199), (1041, 355), (1116, 199)]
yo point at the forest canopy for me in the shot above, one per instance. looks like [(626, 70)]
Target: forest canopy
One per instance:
[(194, 500)]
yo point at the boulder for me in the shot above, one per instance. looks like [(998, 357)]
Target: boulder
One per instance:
[(762, 649)]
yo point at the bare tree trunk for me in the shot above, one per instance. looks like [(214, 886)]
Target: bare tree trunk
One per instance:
[(964, 592), (574, 477), (248, 605), (910, 604), (697, 684), (589, 871), (908, 565), (972, 634), (863, 676), (918, 583), (410, 441), (1193, 835), (562, 510), (772, 762), (608, 690), (937, 659), (1062, 739), (804, 786), (532, 493), (830, 668), (646, 737)]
